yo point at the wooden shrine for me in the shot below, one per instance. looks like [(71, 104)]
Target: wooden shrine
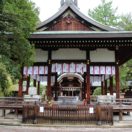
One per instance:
[(75, 53)]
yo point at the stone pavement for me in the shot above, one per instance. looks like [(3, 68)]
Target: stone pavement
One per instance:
[(60, 129), (12, 123)]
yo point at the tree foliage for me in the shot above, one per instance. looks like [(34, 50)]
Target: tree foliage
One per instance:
[(126, 22), (97, 91), (105, 13), (126, 74), (18, 18), (5, 81)]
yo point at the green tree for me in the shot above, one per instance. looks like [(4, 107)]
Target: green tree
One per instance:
[(105, 13), (126, 22), (18, 18), (5, 81), (126, 74), (97, 91)]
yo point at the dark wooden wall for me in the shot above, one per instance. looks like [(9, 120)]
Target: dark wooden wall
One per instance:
[(69, 23)]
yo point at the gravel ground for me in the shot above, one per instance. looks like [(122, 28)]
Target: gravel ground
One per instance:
[(60, 129)]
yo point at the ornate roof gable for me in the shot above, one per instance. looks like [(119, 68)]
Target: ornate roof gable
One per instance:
[(70, 18)]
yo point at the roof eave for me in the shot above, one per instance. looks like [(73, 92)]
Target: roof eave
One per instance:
[(80, 14), (69, 35)]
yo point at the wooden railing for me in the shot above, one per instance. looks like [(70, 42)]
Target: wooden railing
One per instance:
[(67, 114), (11, 103), (121, 106), (124, 101)]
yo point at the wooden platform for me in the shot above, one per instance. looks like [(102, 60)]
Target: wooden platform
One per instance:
[(75, 113)]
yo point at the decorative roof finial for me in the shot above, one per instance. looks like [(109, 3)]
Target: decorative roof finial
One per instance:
[(68, 2)]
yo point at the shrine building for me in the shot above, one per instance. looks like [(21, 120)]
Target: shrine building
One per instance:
[(75, 54)]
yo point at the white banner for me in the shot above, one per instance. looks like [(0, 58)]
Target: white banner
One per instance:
[(91, 70), (79, 68), (84, 68), (36, 70), (67, 68), (113, 70), (72, 67), (41, 70), (53, 67), (46, 70), (102, 70), (108, 70), (59, 68), (30, 70), (96, 70)]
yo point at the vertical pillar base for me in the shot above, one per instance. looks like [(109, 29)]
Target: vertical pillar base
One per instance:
[(20, 91), (117, 82)]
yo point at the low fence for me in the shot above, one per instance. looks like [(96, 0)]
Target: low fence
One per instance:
[(11, 103), (104, 114), (42, 113), (39, 113)]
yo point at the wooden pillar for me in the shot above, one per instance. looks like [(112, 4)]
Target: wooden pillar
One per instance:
[(49, 94), (84, 87), (117, 81), (20, 91), (88, 89), (56, 96), (111, 85), (20, 83), (105, 89), (34, 83), (102, 88), (117, 76), (38, 90), (28, 84)]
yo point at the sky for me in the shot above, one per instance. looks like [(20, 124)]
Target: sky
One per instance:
[(47, 8)]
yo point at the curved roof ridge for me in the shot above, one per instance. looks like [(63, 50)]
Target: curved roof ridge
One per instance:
[(76, 10), (57, 14), (91, 20)]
